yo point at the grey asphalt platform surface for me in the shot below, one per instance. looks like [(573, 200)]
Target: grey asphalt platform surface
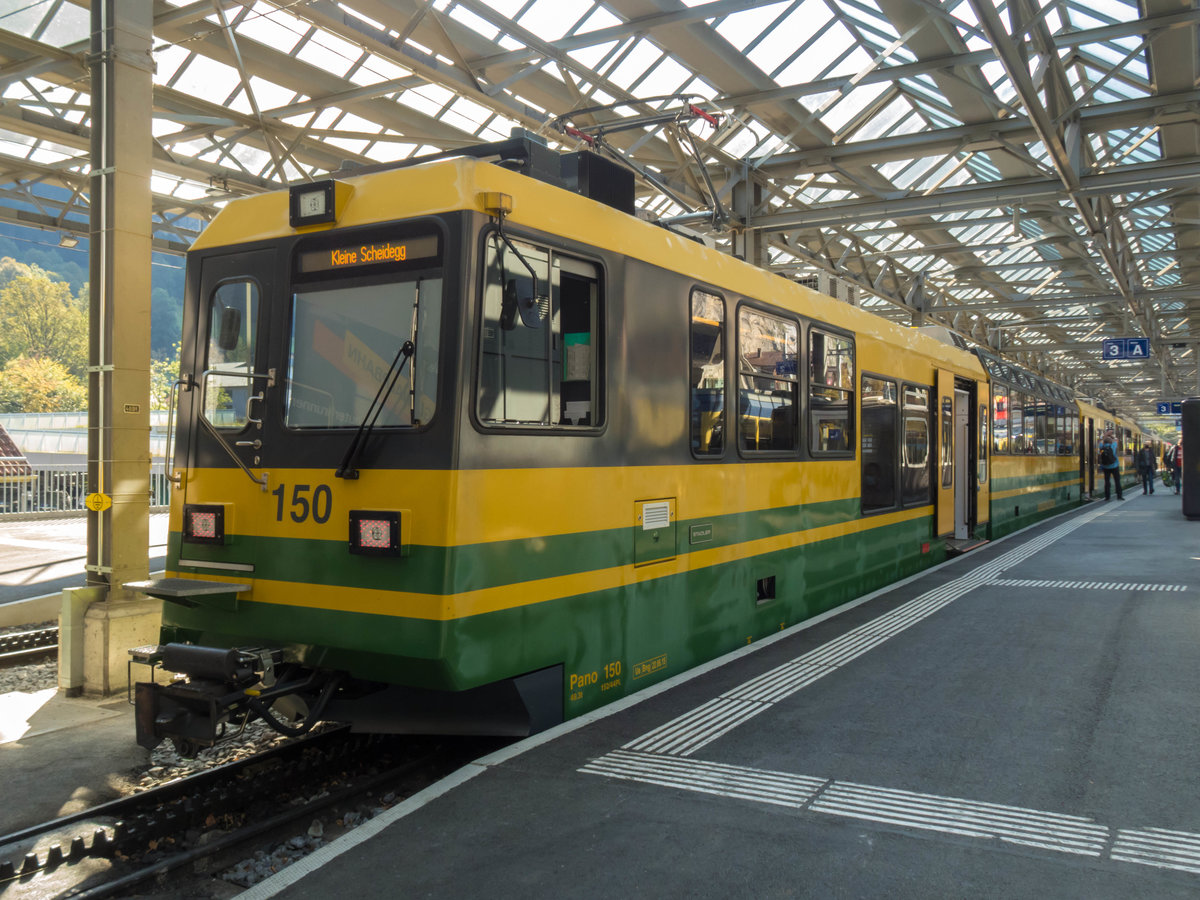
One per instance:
[(1020, 722), (58, 754)]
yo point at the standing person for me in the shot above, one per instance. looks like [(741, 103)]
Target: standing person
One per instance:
[(1147, 464), (1173, 457), (1110, 464)]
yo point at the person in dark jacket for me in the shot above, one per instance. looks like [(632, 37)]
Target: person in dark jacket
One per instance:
[(1147, 464), (1173, 457), (1110, 464)]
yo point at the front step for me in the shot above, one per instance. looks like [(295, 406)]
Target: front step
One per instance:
[(957, 547)]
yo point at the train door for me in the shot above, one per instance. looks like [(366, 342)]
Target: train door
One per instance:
[(962, 465), (944, 413), (229, 369), (1087, 474), (982, 426)]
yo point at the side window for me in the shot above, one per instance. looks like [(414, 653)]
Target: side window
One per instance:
[(768, 381), (708, 374), (983, 443), (879, 451), (947, 442), (999, 418), (232, 336), (916, 462), (1035, 426), (1016, 418), (539, 362), (831, 392)]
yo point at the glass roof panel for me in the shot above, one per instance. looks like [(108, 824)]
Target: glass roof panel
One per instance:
[(475, 22), (208, 78), (927, 167), (551, 19), (272, 31)]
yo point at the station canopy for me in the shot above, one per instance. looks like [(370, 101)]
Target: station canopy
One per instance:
[(1024, 174)]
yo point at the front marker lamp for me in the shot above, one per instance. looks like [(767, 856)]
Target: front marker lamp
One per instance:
[(374, 533), (203, 524)]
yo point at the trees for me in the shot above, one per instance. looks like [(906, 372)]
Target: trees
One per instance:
[(164, 372), (36, 385), (43, 342), (40, 319)]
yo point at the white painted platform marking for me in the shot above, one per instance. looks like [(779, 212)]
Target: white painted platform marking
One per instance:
[(662, 756), (1158, 847), (690, 732), (1086, 585)]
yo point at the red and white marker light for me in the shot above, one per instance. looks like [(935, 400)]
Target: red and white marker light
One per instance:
[(204, 524), (374, 533)]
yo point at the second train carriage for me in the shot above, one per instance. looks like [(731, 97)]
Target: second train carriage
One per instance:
[(461, 447)]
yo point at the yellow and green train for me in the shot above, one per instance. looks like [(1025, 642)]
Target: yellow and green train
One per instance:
[(465, 445)]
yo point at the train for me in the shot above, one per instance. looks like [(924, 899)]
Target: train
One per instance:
[(463, 445)]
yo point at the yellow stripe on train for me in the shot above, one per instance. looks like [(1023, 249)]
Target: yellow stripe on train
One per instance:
[(454, 508), (526, 593)]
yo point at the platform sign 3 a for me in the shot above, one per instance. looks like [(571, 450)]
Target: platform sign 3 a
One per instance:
[(1168, 408), (1125, 348)]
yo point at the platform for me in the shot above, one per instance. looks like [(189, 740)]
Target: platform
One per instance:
[(58, 754), (40, 557), (1019, 722)]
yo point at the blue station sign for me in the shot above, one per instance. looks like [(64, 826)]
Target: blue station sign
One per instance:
[(1168, 408), (1125, 348)]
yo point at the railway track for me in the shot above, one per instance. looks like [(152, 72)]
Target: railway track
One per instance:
[(23, 647), (108, 850)]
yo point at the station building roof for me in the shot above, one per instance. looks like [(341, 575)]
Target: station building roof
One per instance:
[(1020, 172)]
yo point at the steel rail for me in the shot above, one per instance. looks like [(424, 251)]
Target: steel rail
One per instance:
[(23, 647)]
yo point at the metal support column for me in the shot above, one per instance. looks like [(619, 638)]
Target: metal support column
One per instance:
[(119, 352)]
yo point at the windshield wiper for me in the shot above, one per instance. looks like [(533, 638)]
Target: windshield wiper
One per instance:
[(403, 355)]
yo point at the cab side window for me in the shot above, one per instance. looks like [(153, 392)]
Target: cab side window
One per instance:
[(539, 364), (232, 337)]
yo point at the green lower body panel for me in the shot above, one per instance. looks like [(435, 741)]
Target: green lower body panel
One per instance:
[(609, 643), (1039, 498)]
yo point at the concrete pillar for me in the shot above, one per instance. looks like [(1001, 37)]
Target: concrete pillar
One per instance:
[(75, 603), (119, 370)]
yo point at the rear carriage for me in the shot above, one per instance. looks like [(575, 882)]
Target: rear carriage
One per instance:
[(1036, 446)]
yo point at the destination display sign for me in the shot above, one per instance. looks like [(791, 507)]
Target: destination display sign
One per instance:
[(352, 256)]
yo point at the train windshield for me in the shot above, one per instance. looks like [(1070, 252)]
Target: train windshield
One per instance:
[(343, 343), (345, 338)]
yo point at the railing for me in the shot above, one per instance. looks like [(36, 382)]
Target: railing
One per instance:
[(62, 489), (60, 420)]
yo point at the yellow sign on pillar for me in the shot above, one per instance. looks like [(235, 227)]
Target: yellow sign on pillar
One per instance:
[(98, 502)]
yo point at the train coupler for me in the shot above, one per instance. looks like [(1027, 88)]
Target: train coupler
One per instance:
[(213, 691)]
